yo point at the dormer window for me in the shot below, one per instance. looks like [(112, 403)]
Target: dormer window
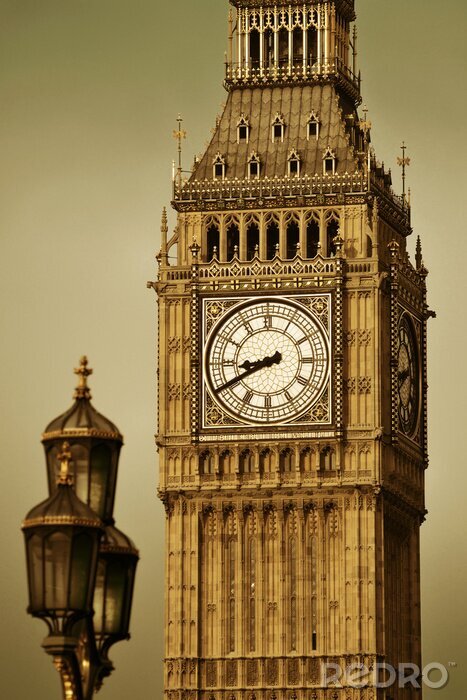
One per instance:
[(278, 128), (254, 166), (312, 127), (293, 164), (218, 167), (329, 162), (243, 130)]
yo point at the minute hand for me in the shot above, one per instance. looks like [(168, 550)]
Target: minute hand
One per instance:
[(253, 367)]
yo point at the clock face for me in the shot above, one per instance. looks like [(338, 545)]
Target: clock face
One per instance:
[(267, 361), (408, 378)]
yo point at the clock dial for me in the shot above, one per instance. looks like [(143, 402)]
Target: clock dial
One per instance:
[(267, 361), (408, 378)]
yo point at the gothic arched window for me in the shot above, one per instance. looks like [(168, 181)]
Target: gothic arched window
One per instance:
[(226, 462), (254, 48), (272, 239), (293, 238), (243, 129), (246, 462), (329, 162), (252, 240), (233, 238), (332, 229), (305, 460), (312, 45), (297, 38), (206, 463), (283, 47), (285, 460), (218, 166), (254, 166), (212, 242), (278, 128), (312, 237), (265, 460), (293, 164), (312, 127)]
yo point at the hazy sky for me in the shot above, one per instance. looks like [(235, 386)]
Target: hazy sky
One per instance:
[(90, 90)]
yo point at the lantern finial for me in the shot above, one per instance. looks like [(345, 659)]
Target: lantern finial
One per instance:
[(82, 391), (65, 458)]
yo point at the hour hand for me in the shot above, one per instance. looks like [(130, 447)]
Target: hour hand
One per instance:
[(251, 367)]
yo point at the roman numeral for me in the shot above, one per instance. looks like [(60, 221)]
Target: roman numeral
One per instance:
[(302, 381), (247, 397), (267, 401)]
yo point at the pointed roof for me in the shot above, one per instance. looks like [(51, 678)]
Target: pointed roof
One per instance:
[(294, 104), (82, 419)]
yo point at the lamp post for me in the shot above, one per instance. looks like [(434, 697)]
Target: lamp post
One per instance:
[(81, 568)]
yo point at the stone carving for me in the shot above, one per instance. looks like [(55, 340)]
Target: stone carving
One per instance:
[(174, 392), (252, 672), (231, 673), (364, 385), (350, 385), (293, 675), (272, 671), (350, 338), (364, 336), (314, 671), (211, 673), (173, 344)]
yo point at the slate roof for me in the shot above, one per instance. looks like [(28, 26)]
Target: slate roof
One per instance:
[(260, 106)]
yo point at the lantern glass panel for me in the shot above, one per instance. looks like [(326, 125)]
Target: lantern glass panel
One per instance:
[(56, 571), (36, 581), (79, 463), (99, 594), (114, 598), (83, 546), (53, 467), (100, 469)]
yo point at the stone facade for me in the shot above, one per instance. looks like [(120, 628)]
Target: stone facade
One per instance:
[(293, 544)]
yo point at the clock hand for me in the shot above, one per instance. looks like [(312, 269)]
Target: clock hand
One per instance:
[(251, 367)]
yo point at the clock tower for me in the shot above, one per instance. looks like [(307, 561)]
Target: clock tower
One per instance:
[(292, 384)]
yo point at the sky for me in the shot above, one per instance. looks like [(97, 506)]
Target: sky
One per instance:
[(90, 91)]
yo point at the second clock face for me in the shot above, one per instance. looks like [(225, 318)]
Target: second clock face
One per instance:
[(408, 378), (267, 361)]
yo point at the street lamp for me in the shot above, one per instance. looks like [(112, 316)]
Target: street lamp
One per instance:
[(81, 568)]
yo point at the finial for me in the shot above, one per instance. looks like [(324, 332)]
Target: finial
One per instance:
[(393, 247), (82, 391), (418, 254), (179, 135), (195, 248), (162, 256), (65, 458), (365, 123), (338, 243), (403, 162)]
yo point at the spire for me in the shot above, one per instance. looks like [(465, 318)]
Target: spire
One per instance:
[(162, 256), (82, 391), (403, 162), (179, 134), (65, 476)]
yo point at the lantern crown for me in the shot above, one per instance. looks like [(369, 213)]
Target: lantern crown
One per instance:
[(82, 419)]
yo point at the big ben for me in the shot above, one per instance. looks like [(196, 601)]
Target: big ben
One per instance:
[(292, 383)]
